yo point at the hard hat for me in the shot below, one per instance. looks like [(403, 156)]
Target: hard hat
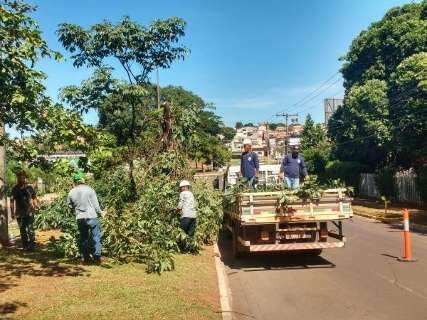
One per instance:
[(184, 183), (247, 141), (78, 176)]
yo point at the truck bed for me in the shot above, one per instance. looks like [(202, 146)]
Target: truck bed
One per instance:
[(260, 222), (264, 207)]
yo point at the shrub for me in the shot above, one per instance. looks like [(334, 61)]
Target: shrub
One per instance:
[(347, 171), (384, 180), (209, 212), (421, 181), (143, 227), (316, 159)]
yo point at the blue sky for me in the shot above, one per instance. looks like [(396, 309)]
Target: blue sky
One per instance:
[(251, 59)]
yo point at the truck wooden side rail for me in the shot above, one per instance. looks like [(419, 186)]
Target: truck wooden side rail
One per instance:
[(260, 222)]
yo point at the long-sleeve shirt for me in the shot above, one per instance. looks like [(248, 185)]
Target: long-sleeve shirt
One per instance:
[(83, 201), (293, 167), (187, 204), (249, 163)]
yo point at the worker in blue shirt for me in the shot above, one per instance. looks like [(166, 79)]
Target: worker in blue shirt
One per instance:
[(292, 168), (249, 164)]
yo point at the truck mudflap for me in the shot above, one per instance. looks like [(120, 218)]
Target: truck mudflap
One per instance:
[(290, 246)]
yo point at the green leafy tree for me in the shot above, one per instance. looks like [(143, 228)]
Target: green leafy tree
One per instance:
[(273, 126), (22, 98), (313, 134), (125, 107), (408, 108), (23, 103), (361, 129), (315, 147), (228, 133), (239, 125), (197, 126), (384, 77)]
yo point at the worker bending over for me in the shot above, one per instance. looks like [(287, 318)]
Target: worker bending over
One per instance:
[(187, 208)]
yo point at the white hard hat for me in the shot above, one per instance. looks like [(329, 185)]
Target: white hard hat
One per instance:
[(247, 141), (184, 183)]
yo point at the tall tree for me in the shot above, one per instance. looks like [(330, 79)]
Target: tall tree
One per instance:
[(313, 135), (316, 149), (23, 103), (408, 108), (137, 50), (361, 130), (383, 73)]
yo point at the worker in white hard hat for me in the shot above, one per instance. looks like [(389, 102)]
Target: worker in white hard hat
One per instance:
[(187, 208), (249, 164)]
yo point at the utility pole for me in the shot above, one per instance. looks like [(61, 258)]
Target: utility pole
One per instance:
[(4, 231), (287, 116), (158, 89)]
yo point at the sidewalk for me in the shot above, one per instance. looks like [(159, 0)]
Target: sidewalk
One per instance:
[(375, 210)]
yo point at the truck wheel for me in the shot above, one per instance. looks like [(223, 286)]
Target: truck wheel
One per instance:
[(226, 232), (235, 244), (315, 252)]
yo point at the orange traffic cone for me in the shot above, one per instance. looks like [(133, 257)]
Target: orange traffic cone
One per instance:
[(407, 250)]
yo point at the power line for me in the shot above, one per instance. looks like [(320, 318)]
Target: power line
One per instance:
[(317, 89), (397, 102), (374, 134)]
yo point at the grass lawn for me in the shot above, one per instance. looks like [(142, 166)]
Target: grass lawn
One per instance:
[(38, 286), (375, 209)]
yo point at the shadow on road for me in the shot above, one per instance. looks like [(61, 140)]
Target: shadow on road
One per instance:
[(269, 261)]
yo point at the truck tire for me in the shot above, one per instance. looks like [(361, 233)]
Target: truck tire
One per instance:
[(315, 252), (235, 244), (226, 232)]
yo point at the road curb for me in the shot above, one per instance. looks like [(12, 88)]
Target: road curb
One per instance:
[(413, 226), (224, 288)]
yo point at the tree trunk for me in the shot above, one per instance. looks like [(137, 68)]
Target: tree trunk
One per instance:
[(132, 178), (4, 232)]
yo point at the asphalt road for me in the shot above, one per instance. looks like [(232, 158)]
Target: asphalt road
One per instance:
[(364, 280)]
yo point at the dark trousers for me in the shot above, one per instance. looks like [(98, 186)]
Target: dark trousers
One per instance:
[(189, 226), (89, 229), (26, 228)]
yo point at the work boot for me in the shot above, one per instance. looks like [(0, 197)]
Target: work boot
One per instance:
[(97, 259), (84, 260)]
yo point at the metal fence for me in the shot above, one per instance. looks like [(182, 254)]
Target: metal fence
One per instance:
[(405, 184)]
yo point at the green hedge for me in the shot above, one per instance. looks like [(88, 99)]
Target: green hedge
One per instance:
[(385, 182), (347, 171), (422, 182)]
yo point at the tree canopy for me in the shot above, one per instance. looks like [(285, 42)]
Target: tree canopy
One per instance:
[(23, 102), (383, 119)]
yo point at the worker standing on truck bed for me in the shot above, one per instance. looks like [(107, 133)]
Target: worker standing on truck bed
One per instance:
[(292, 168), (249, 164), (187, 207)]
